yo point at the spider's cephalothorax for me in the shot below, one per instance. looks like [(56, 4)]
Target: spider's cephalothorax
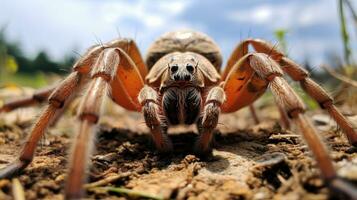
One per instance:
[(180, 83), (181, 88)]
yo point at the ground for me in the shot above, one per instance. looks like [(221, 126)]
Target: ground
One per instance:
[(249, 161)]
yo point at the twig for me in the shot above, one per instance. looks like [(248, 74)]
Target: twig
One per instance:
[(107, 180), (17, 190), (340, 77), (129, 192), (254, 114)]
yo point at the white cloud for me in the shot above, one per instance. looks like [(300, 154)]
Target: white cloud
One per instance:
[(318, 12), (57, 25), (295, 16), (267, 15), (289, 15)]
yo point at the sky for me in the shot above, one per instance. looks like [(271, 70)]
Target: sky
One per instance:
[(62, 27)]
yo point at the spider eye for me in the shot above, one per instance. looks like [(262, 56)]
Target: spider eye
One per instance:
[(174, 68), (190, 68)]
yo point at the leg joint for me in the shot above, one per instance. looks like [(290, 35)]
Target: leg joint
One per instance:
[(210, 116), (286, 97), (295, 112), (42, 95), (56, 102), (316, 92), (296, 72), (106, 64), (326, 104), (64, 90), (150, 111), (265, 66), (26, 160), (90, 117), (216, 95), (147, 94)]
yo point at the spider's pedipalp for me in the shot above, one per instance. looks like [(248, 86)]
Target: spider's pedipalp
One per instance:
[(206, 125), (149, 99)]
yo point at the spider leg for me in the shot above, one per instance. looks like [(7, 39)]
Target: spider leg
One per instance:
[(262, 46), (111, 67), (242, 49), (57, 100), (320, 95), (254, 114), (286, 97), (263, 66), (113, 72), (148, 98), (38, 96), (297, 73), (89, 110), (284, 119), (206, 125)]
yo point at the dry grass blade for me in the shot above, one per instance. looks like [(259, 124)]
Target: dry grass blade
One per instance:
[(107, 180), (340, 77), (352, 11), (344, 34), (17, 190), (129, 192)]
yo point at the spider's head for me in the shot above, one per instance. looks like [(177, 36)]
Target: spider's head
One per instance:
[(182, 68)]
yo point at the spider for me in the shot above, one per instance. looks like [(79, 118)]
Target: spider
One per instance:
[(179, 83)]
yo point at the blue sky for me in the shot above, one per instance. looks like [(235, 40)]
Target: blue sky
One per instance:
[(61, 26)]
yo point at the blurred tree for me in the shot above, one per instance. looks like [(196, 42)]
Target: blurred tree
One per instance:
[(41, 63), (8, 63)]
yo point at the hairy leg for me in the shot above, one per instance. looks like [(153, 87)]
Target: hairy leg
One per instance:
[(297, 73), (89, 110), (254, 114), (209, 121), (293, 106), (148, 98), (320, 95), (83, 144), (38, 96), (57, 100), (284, 119)]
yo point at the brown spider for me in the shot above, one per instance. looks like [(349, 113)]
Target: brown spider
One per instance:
[(182, 85)]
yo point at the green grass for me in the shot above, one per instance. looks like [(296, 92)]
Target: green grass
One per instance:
[(35, 80)]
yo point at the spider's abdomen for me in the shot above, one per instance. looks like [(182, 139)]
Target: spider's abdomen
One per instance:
[(181, 105), (184, 41)]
